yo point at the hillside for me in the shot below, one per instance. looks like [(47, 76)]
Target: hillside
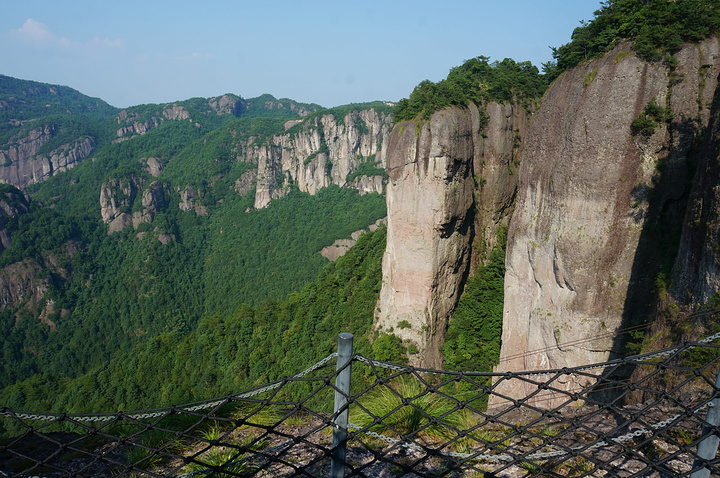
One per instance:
[(533, 218), (131, 223)]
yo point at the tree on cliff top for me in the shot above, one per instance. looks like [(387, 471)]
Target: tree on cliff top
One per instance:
[(475, 81), (657, 27)]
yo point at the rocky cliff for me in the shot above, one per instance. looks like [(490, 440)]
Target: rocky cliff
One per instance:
[(21, 165), (347, 150), (598, 202), (597, 180), (137, 121), (25, 283), (318, 152), (696, 274), (130, 200), (451, 185)]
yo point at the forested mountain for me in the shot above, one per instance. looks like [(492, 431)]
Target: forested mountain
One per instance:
[(539, 205), (124, 227)]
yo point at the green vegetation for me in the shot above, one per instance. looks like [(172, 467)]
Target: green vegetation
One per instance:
[(127, 298), (340, 112), (472, 341), (224, 353), (31, 99), (475, 81), (406, 408), (656, 27), (285, 238), (267, 106), (650, 118), (367, 167)]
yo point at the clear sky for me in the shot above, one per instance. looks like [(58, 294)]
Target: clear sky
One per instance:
[(333, 52)]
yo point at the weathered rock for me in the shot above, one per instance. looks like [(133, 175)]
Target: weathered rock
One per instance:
[(452, 184), (20, 164), (226, 105), (25, 283), (246, 183), (118, 196), (120, 222), (153, 166), (578, 268), (429, 196), (176, 112), (696, 275), (188, 201), (496, 162), (368, 184), (323, 152), (338, 248)]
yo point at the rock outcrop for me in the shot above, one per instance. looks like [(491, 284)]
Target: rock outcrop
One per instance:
[(338, 248), (596, 206), (440, 196), (696, 275), (319, 152), (21, 165), (581, 263), (130, 201), (189, 201), (138, 121)]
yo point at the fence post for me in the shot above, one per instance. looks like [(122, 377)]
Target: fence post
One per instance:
[(707, 448), (342, 383)]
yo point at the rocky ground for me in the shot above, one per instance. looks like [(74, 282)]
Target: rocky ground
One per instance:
[(300, 446)]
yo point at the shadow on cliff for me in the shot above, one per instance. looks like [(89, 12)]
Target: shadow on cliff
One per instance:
[(657, 249)]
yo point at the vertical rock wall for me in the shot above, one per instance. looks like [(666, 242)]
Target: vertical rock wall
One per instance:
[(696, 275), (452, 180), (20, 165), (579, 268), (324, 151), (429, 196)]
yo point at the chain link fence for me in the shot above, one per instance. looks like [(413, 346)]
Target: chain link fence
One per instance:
[(642, 415)]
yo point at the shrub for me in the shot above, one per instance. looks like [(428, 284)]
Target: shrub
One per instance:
[(405, 407)]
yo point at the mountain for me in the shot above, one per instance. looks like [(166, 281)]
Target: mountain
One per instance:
[(535, 221), (605, 182), (121, 225)]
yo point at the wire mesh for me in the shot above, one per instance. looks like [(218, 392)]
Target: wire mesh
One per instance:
[(642, 415)]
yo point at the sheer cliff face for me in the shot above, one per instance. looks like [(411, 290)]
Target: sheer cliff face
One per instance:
[(696, 275), (20, 165), (576, 268), (435, 206), (323, 152), (311, 155)]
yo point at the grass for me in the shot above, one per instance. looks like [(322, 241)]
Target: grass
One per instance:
[(255, 414), (405, 408), (226, 459)]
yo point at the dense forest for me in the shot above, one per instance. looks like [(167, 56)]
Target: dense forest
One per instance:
[(225, 353), (106, 297)]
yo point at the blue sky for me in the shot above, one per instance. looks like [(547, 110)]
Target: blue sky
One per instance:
[(327, 52)]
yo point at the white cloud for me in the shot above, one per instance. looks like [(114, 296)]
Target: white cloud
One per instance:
[(35, 32), (38, 34)]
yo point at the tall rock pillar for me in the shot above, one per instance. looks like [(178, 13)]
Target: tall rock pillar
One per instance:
[(429, 200)]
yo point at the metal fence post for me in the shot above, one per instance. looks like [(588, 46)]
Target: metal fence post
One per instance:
[(707, 448), (342, 383)]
